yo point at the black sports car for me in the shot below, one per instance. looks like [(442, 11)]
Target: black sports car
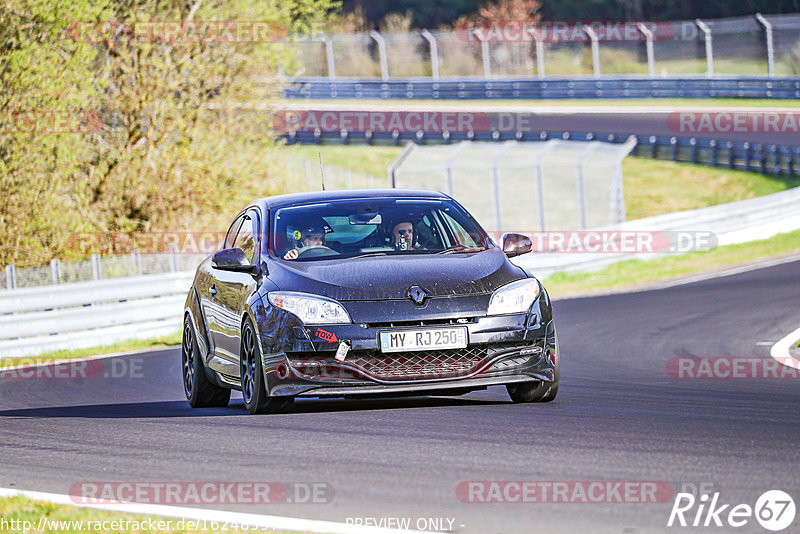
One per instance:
[(378, 292)]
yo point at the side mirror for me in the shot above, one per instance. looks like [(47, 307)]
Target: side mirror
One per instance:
[(516, 244), (232, 259)]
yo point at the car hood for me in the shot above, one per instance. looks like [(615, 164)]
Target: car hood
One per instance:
[(390, 277)]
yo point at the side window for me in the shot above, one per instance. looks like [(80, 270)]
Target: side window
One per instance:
[(245, 239), (231, 237), (462, 237), (428, 234)]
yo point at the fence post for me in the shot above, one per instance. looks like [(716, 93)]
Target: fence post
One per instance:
[(11, 277), (498, 217), (329, 57), (548, 147), (434, 47), (595, 49), (747, 156), (627, 147), (651, 62), (713, 144), (395, 165), (537, 39), (97, 271), (709, 50), (381, 53), (450, 160), (581, 199), (486, 59), (137, 261), (731, 157), (55, 270), (770, 45), (173, 259), (307, 166)]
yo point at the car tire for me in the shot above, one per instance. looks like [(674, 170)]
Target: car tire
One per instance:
[(538, 391), (254, 390), (199, 390)]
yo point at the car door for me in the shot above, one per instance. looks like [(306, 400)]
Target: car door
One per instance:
[(227, 295)]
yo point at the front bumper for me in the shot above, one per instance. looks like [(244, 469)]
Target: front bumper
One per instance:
[(501, 350)]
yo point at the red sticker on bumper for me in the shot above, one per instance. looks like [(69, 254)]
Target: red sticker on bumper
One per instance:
[(330, 337)]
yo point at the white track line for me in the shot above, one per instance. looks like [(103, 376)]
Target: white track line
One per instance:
[(252, 520), (780, 350)]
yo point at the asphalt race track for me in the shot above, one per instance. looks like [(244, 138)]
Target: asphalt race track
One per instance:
[(618, 417)]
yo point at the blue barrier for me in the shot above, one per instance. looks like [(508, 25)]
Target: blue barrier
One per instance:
[(762, 158), (548, 88)]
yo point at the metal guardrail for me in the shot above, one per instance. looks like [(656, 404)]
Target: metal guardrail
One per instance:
[(549, 88), (85, 314), (99, 267), (755, 157), (735, 222)]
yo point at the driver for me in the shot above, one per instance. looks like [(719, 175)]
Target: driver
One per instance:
[(310, 236), (403, 236)]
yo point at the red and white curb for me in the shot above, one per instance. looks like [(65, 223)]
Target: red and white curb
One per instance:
[(780, 350)]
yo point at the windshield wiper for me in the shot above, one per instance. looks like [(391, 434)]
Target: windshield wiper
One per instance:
[(368, 254), (461, 249)]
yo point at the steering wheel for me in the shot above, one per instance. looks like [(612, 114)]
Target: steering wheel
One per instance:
[(314, 251)]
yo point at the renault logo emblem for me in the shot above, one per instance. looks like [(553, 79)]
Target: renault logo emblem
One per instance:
[(417, 295)]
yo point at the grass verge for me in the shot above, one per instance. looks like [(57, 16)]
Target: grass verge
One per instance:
[(20, 514), (631, 274), (655, 187), (362, 158), (121, 346)]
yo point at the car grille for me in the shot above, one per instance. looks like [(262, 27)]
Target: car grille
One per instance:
[(419, 365)]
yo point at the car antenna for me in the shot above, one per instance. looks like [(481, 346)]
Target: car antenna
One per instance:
[(321, 172)]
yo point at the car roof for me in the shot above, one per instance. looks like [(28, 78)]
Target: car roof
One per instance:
[(291, 199)]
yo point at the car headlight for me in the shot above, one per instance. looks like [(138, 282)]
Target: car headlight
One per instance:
[(515, 297), (311, 309)]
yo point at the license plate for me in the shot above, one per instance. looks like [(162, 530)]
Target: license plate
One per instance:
[(423, 339)]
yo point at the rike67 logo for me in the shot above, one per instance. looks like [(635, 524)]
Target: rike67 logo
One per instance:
[(774, 510)]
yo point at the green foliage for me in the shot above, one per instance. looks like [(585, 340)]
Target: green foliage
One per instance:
[(179, 140)]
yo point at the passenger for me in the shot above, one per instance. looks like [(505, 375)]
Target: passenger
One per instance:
[(311, 236)]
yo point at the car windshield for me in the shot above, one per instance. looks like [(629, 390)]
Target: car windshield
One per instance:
[(374, 227)]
